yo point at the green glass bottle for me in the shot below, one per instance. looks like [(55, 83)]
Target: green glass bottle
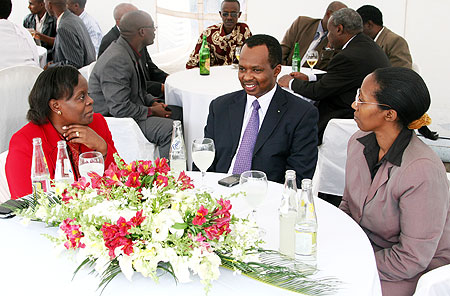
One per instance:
[(205, 58), (296, 59)]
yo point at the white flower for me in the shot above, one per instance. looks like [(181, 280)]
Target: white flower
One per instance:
[(180, 266), (126, 265), (148, 194)]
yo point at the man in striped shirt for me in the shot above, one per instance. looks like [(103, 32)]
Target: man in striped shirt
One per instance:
[(73, 46)]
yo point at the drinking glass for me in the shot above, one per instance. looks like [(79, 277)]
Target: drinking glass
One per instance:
[(254, 184), (91, 161), (203, 152), (312, 57), (237, 54)]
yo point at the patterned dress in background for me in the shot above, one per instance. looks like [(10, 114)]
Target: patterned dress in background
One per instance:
[(222, 47)]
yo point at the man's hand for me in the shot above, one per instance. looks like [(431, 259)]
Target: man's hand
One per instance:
[(284, 81), (300, 76), (160, 110)]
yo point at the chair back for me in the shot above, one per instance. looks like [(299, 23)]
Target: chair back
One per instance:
[(15, 85), (330, 171), (130, 142), (4, 189), (435, 282)]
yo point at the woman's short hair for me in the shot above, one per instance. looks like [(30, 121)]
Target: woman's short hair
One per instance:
[(404, 90), (54, 83)]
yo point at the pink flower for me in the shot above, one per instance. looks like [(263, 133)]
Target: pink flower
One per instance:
[(199, 219), (81, 184), (137, 219), (162, 166), (212, 232), (133, 180), (73, 234), (186, 182), (224, 210), (66, 197), (146, 168), (162, 181)]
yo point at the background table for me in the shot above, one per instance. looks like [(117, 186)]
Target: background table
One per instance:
[(30, 264), (194, 92)]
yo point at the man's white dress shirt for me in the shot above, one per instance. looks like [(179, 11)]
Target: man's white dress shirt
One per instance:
[(93, 29)]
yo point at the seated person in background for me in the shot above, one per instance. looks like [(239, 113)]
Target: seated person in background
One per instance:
[(60, 109), (310, 34), (92, 26), (335, 90), (155, 77), (16, 44), (396, 187), (42, 24), (395, 47), (73, 46), (223, 38), (117, 82), (263, 127)]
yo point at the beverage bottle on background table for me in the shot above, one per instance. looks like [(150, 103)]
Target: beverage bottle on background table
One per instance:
[(306, 227), (296, 59), (177, 152), (288, 214), (63, 169), (205, 58), (40, 177)]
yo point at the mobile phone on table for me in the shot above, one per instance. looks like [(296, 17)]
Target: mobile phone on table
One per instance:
[(230, 181)]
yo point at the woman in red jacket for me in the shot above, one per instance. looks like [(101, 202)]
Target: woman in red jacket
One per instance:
[(60, 109)]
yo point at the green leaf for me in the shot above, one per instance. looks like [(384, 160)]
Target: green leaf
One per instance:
[(179, 226)]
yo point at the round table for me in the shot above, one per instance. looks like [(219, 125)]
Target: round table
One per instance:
[(194, 92), (31, 265)]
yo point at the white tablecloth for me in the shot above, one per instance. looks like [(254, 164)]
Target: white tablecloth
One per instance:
[(194, 92), (30, 266), (42, 52)]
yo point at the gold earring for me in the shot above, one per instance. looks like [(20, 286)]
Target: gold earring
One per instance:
[(59, 112)]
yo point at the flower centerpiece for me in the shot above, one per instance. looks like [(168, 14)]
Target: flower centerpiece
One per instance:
[(141, 218)]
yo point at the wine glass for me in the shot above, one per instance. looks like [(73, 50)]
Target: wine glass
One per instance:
[(312, 56), (203, 152), (237, 54), (91, 161), (254, 184)]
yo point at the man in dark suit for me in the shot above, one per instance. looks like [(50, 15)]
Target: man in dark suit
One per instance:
[(155, 77), (310, 34), (117, 83), (73, 46), (263, 127), (335, 91)]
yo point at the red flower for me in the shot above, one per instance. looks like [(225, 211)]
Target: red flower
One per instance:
[(73, 234), (133, 180), (199, 219), (66, 197), (186, 182), (162, 166), (212, 232), (82, 183), (224, 210), (162, 180), (146, 168), (138, 219)]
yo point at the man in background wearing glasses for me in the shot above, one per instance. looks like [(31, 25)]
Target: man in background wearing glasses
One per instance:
[(223, 38)]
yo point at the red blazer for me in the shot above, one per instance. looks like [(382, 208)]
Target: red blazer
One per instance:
[(18, 162)]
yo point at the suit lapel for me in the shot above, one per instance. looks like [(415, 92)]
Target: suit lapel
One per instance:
[(236, 115), (380, 178), (277, 108)]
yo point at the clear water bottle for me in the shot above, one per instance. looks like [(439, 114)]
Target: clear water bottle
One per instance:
[(177, 152), (63, 170), (306, 227), (40, 177), (288, 214)]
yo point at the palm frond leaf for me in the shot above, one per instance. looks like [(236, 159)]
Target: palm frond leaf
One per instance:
[(283, 272)]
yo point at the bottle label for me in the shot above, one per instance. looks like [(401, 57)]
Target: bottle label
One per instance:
[(67, 167), (305, 242), (176, 144)]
